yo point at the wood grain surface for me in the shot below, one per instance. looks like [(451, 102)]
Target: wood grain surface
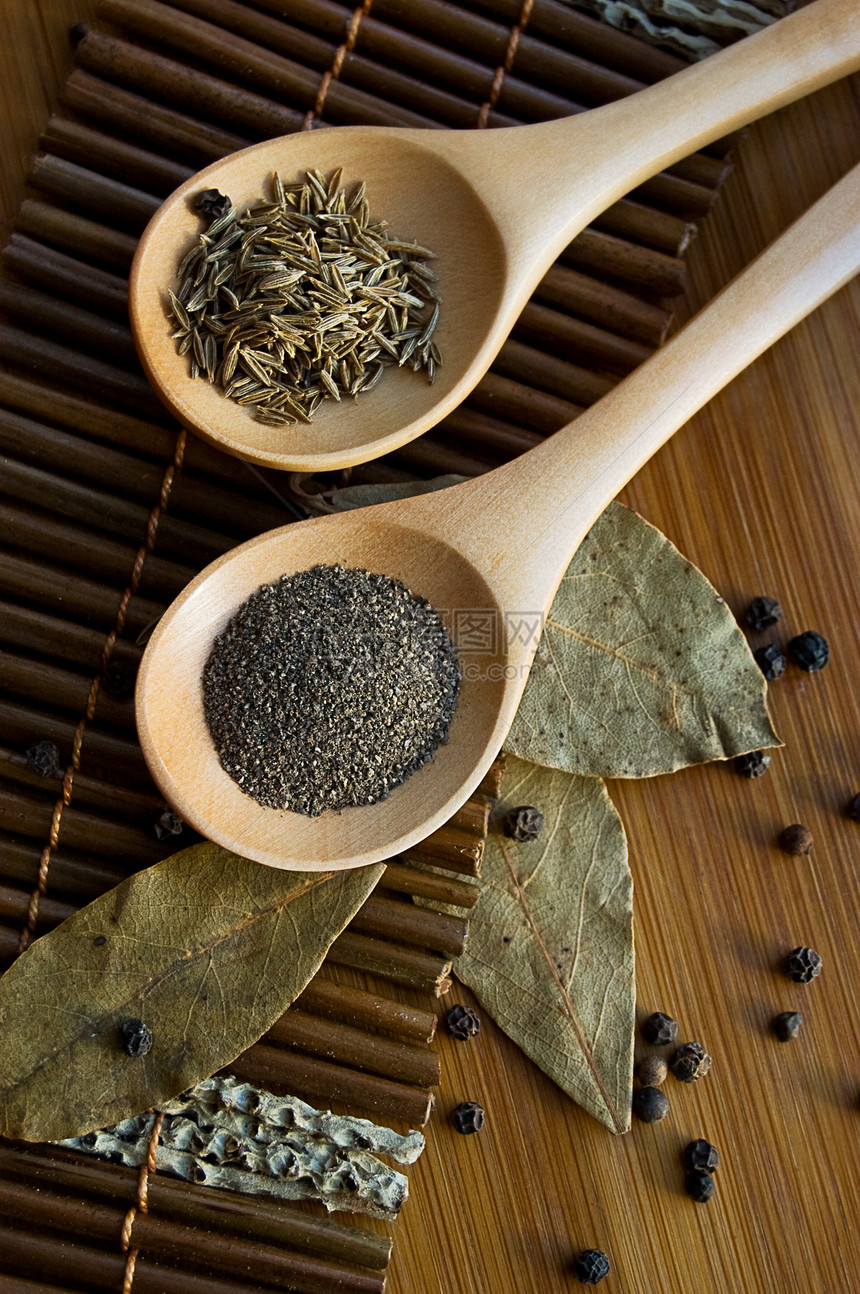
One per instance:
[(761, 490)]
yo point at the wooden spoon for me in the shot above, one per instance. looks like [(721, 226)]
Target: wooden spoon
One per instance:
[(496, 206), (496, 545)]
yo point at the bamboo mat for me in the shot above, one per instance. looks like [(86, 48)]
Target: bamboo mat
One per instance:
[(759, 490)]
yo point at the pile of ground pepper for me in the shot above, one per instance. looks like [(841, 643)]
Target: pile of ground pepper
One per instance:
[(328, 688)]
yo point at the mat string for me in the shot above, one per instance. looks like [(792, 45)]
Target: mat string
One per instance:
[(504, 68), (141, 1205), (107, 651), (337, 63)]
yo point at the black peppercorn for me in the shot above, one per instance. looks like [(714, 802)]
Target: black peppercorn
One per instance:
[(44, 758), (701, 1157), (651, 1071), (770, 661), (753, 764), (802, 965), (762, 613), (591, 1266), (690, 1062), (796, 840), (523, 823), (89, 1140), (810, 651), (212, 203), (136, 1037), (700, 1186), (462, 1022), (650, 1105), (660, 1029), (468, 1117), (167, 823), (786, 1025), (853, 809)]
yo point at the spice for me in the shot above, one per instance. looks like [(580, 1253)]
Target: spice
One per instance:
[(328, 688), (802, 965), (523, 823), (701, 1157), (591, 1266), (468, 1117), (700, 1186), (853, 809), (167, 823), (651, 1071), (462, 1022), (763, 612), (44, 758), (690, 1062), (650, 1105), (136, 1037), (786, 1025), (754, 764), (302, 299), (660, 1029), (810, 651), (770, 661), (796, 840)]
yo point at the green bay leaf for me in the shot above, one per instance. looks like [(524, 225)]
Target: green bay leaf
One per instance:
[(641, 669), (206, 947), (550, 949)]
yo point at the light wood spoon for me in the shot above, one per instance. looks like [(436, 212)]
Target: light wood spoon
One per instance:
[(498, 544), (496, 206)]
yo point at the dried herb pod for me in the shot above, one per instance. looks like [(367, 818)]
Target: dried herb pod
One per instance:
[(650, 1105), (462, 1022), (44, 758), (468, 1117), (136, 1037), (786, 1025), (763, 612), (810, 651), (690, 1062), (753, 764), (802, 965), (701, 1157), (522, 823), (771, 661), (651, 1071), (796, 840), (700, 1186), (591, 1266), (659, 1029)]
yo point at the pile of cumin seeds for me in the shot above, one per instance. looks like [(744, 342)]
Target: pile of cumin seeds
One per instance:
[(328, 688), (302, 299)]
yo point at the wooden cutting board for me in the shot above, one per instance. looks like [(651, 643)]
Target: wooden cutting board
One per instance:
[(761, 490)]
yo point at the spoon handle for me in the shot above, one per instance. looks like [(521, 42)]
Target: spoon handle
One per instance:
[(545, 501), (544, 183)]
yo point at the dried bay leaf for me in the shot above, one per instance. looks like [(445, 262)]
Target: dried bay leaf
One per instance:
[(550, 950), (207, 948), (641, 669)]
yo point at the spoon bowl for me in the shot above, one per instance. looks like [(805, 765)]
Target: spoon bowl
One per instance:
[(497, 546), (496, 206)]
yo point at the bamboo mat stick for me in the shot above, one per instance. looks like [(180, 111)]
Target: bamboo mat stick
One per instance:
[(64, 640), (580, 342), (567, 28), (405, 879), (327, 997), (640, 224), (604, 253), (60, 688), (405, 1062), (558, 377), (612, 308), (408, 966), (101, 751), (536, 410), (75, 368), (392, 918), (114, 200), (81, 829), (451, 848), (75, 142), (70, 232), (255, 1217), (49, 268), (428, 456), (14, 904), (46, 314), (124, 802)]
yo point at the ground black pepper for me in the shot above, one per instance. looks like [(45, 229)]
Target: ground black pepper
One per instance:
[(770, 661), (754, 764), (591, 1266), (523, 823), (786, 1025), (701, 1157), (810, 651), (690, 1062), (462, 1022), (468, 1117), (328, 688), (650, 1105), (763, 612), (802, 965), (136, 1037), (796, 840), (660, 1029), (700, 1186)]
